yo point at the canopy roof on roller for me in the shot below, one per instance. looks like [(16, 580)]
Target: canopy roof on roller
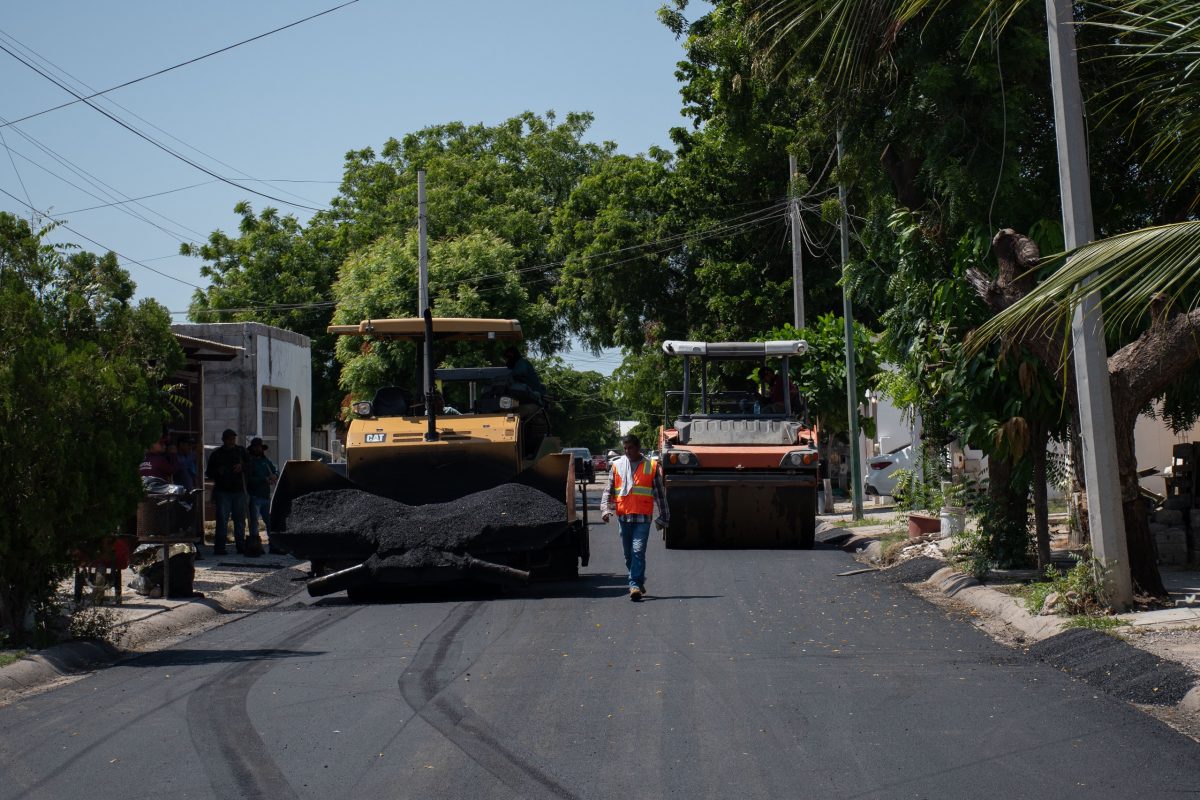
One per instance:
[(773, 349)]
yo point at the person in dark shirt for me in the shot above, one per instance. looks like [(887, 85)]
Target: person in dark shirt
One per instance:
[(523, 372), (260, 478), (158, 463), (774, 383), (227, 470)]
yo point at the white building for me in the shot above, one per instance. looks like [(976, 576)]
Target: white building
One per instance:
[(266, 391)]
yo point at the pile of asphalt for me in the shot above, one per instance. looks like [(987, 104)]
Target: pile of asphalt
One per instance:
[(915, 570), (1112, 664), (507, 517)]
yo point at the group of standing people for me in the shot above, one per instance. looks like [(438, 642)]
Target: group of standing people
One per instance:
[(242, 481)]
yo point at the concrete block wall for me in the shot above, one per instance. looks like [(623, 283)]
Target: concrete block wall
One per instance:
[(270, 357)]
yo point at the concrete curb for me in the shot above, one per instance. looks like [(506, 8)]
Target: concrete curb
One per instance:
[(965, 588), (72, 658)]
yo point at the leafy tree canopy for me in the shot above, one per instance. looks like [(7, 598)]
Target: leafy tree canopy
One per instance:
[(82, 371)]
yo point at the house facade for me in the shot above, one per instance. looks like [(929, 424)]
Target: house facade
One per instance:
[(266, 390)]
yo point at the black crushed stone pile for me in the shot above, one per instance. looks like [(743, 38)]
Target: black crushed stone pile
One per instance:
[(1112, 664), (914, 570), (510, 516), (280, 583)]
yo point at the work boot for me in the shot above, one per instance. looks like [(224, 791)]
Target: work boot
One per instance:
[(635, 594)]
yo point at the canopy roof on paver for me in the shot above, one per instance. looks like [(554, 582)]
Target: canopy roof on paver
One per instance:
[(448, 328)]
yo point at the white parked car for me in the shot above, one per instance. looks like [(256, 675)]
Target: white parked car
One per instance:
[(881, 470)]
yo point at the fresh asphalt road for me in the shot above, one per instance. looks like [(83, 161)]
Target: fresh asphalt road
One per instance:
[(754, 674)]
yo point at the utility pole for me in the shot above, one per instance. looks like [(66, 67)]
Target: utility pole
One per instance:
[(851, 381), (797, 247), (1105, 517), (422, 265)]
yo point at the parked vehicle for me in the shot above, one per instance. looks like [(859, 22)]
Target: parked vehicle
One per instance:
[(881, 470), (600, 463), (584, 469)]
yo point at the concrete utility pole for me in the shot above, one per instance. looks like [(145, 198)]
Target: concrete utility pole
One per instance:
[(797, 247), (1105, 517), (851, 380)]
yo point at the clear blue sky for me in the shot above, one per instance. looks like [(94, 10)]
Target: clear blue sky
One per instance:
[(288, 107)]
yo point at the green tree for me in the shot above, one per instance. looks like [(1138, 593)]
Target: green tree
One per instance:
[(381, 281), (279, 273), (490, 188), (82, 371), (820, 375), (581, 410), (693, 242)]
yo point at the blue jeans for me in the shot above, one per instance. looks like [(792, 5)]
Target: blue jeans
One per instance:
[(634, 536), (229, 504), (260, 508)]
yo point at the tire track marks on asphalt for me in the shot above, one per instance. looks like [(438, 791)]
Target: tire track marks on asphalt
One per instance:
[(423, 686), (236, 760)]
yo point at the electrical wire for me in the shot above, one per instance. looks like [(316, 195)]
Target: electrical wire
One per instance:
[(151, 140), (181, 64), (100, 185), (242, 174), (136, 199), (101, 246), (13, 161)]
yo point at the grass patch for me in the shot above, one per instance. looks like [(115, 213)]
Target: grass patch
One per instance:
[(1095, 623), (1034, 595), (890, 544), (11, 656), (865, 522)]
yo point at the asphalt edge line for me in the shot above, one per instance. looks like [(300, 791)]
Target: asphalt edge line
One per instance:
[(967, 589), (78, 657)]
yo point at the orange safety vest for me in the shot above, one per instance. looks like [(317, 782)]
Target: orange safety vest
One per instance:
[(640, 499)]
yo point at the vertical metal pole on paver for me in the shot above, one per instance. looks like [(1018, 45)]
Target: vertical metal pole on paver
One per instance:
[(1105, 515), (797, 250), (422, 262), (851, 380)]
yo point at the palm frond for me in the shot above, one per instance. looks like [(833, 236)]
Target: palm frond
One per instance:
[(1130, 270), (1157, 44)]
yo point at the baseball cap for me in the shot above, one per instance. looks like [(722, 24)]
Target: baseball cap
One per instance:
[(227, 433)]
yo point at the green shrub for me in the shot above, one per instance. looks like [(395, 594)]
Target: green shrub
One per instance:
[(1080, 590)]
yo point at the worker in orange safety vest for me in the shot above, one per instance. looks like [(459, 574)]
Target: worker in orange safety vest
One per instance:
[(635, 487)]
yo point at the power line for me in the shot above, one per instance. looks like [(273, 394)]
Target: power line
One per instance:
[(13, 161), (136, 199), (100, 185), (722, 227), (101, 246), (180, 64), (242, 174), (149, 138)]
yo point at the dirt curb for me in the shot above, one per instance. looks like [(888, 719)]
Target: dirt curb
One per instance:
[(53, 664)]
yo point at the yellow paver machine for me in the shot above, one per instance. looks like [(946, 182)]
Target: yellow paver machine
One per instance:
[(460, 482)]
